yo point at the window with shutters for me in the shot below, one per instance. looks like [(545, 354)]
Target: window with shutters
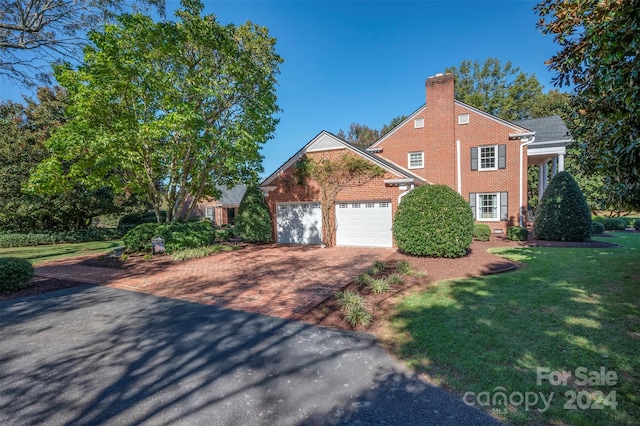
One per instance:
[(487, 158), (491, 206)]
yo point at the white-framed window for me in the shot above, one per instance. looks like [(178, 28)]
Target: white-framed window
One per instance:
[(370, 205), (415, 160), (418, 123), (208, 213), (489, 206), (342, 205), (488, 158), (384, 205), (463, 119), (355, 205)]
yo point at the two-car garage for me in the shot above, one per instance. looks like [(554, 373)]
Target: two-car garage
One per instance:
[(362, 223)]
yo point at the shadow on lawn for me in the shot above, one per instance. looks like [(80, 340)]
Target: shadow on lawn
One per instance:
[(94, 355), (479, 334)]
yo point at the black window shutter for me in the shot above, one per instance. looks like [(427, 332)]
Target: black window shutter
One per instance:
[(474, 158), (502, 156), (504, 206), (472, 203)]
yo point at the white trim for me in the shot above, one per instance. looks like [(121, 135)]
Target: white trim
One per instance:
[(556, 150), (489, 116), (495, 157), (567, 141), (521, 177), (459, 170), (497, 207), (398, 181), (421, 166)]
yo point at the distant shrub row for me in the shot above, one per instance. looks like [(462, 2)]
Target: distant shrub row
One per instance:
[(177, 236), (79, 236)]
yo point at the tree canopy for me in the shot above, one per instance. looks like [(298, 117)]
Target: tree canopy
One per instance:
[(599, 45), (166, 110), (363, 136), (35, 33), (499, 89)]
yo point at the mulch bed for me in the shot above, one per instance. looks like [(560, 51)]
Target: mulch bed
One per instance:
[(478, 262)]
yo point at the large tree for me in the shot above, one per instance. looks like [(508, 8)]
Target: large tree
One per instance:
[(166, 110), (23, 131), (363, 136), (599, 55), (499, 89), (35, 33)]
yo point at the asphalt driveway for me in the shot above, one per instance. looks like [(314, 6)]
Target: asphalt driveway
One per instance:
[(99, 355)]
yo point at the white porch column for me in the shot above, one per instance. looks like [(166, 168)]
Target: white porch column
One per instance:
[(554, 167), (542, 173), (561, 162)]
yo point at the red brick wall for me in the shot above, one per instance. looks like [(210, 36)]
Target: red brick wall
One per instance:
[(287, 190), (438, 141)]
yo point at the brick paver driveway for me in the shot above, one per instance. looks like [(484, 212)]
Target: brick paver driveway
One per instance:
[(282, 281)]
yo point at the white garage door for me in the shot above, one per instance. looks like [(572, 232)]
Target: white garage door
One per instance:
[(299, 223), (366, 224)]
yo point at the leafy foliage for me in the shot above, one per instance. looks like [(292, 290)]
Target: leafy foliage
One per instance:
[(77, 236), (363, 136), (353, 305), (501, 90), (597, 227), (177, 236), (433, 220), (404, 268), (15, 273), (481, 232), (563, 214), (333, 175), (599, 56), (517, 233), (253, 221), (166, 110), (614, 224), (133, 219)]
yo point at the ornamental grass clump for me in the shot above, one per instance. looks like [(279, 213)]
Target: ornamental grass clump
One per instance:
[(433, 220)]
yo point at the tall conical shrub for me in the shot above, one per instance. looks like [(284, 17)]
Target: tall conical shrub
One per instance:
[(563, 213), (253, 222)]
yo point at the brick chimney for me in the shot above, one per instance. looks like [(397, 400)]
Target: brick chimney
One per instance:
[(440, 129)]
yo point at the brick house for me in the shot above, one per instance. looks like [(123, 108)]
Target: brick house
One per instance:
[(222, 211), (482, 157)]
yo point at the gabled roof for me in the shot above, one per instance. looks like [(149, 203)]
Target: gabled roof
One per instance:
[(390, 132), (325, 141), (231, 196), (549, 130)]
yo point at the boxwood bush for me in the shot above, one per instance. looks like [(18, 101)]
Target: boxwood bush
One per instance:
[(614, 224), (41, 238), (563, 213), (517, 233), (253, 222), (433, 220), (131, 220), (15, 273), (481, 232), (177, 236), (636, 225), (597, 227)]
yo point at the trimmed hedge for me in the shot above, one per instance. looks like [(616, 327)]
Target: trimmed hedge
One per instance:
[(131, 220), (614, 224), (481, 232), (253, 221), (563, 213), (177, 236), (597, 227), (433, 220), (81, 236), (517, 233), (15, 273)]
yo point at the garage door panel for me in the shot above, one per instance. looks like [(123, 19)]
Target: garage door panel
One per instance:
[(299, 223), (366, 224)]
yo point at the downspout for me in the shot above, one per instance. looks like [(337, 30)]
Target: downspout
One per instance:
[(528, 141), (459, 171)]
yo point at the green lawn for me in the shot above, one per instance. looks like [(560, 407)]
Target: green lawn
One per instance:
[(563, 310), (39, 254)]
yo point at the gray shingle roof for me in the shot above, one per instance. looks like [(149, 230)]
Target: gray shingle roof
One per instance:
[(231, 197), (548, 129)]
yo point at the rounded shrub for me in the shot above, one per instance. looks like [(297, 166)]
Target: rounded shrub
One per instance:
[(563, 213), (433, 220), (614, 224), (517, 233), (636, 225), (253, 221), (15, 273), (481, 232), (597, 227)]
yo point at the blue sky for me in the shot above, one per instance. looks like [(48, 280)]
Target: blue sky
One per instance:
[(366, 61)]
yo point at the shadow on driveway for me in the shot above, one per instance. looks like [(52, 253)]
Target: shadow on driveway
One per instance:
[(97, 355)]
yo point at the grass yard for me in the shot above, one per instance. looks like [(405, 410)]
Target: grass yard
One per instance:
[(566, 310), (40, 254)]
